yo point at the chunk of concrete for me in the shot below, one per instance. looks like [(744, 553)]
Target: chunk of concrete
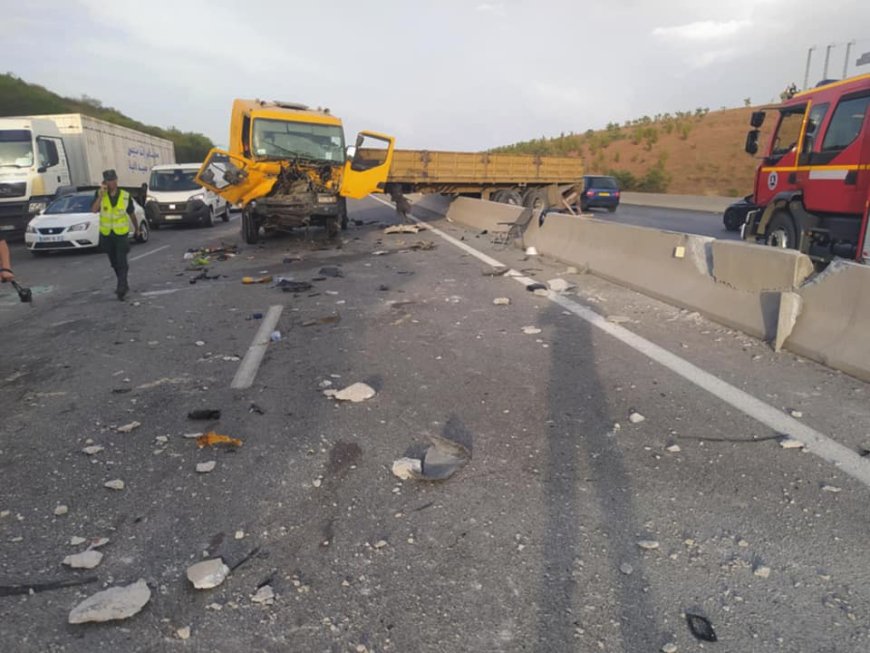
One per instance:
[(790, 305), (355, 393), (208, 573), (111, 604), (84, 560)]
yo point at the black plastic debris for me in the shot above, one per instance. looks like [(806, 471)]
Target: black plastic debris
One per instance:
[(254, 408), (701, 627), (293, 286), (331, 271), (532, 287), (204, 413), (383, 287), (121, 391), (440, 461)]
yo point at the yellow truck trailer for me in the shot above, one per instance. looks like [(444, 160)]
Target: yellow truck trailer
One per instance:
[(538, 182)]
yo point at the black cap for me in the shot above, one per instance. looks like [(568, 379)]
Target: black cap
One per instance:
[(110, 175)]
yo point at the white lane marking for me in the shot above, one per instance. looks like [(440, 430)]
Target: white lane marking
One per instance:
[(153, 251), (818, 443), (247, 371), (155, 293)]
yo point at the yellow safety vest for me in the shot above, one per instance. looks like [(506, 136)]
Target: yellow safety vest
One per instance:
[(114, 218)]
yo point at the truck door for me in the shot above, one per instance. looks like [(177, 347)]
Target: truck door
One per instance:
[(232, 178), (779, 171), (366, 171), (838, 177), (52, 162)]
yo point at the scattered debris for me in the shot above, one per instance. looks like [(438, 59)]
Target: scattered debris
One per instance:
[(789, 442), (121, 391), (502, 301), (206, 467), (294, 286), (762, 571), (275, 336), (422, 246), (127, 428), (380, 544), (531, 330), (405, 229), (47, 586), (440, 461), (796, 414), (254, 408), (254, 280), (211, 439), (116, 484), (408, 468), (240, 534), (380, 252), (111, 604), (356, 393), (618, 319), (84, 560), (701, 627), (670, 647), (531, 251), (204, 414), (97, 543), (183, 633), (532, 287), (203, 276), (256, 316), (636, 418), (626, 569), (200, 343), (560, 285), (648, 545), (383, 288), (60, 510), (331, 271), (75, 540), (329, 319), (208, 573), (496, 272), (825, 488), (674, 448), (264, 595)]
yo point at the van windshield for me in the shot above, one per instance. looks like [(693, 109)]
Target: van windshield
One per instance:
[(16, 148), (173, 180), (285, 139)]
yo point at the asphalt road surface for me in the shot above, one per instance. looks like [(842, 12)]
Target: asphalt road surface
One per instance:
[(574, 527), (704, 223)]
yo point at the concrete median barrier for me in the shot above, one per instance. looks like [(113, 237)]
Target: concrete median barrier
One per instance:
[(483, 215), (833, 324), (683, 202)]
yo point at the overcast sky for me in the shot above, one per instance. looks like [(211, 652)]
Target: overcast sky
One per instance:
[(445, 74)]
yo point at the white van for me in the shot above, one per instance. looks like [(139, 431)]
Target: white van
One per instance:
[(174, 197)]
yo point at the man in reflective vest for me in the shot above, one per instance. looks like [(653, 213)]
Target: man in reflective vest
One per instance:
[(116, 211)]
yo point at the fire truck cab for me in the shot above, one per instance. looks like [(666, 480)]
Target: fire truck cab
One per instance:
[(813, 184)]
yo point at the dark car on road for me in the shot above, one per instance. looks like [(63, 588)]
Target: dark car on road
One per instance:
[(599, 192), (735, 215)]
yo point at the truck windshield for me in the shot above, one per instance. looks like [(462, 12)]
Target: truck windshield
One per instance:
[(16, 148), (173, 180), (283, 139)]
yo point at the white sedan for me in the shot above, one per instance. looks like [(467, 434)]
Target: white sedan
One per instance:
[(67, 223)]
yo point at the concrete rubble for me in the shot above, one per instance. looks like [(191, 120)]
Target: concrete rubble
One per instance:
[(355, 393), (128, 428), (114, 603), (208, 573), (84, 560)]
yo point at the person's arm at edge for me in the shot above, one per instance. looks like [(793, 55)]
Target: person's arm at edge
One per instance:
[(5, 263), (131, 211)]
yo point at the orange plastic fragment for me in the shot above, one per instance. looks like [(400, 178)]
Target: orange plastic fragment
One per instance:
[(211, 438), (252, 280)]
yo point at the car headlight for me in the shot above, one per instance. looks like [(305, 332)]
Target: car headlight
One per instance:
[(324, 198), (37, 206), (198, 196), (81, 226), (150, 198), (30, 229)]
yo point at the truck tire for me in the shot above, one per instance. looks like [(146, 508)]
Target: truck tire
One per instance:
[(536, 199), (342, 213), (250, 228), (508, 197), (332, 227), (781, 232)]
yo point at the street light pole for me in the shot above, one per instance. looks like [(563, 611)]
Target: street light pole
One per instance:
[(846, 60), (807, 72), (827, 60)]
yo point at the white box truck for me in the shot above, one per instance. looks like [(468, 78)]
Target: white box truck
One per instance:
[(40, 155)]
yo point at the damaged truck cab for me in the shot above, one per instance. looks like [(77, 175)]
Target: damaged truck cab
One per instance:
[(288, 167)]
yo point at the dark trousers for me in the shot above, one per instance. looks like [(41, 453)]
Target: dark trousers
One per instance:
[(117, 246)]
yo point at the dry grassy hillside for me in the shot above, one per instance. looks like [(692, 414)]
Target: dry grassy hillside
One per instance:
[(696, 153)]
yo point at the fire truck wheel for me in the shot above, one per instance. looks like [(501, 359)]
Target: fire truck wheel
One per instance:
[(781, 231)]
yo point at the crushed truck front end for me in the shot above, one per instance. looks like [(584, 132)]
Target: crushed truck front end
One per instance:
[(288, 167)]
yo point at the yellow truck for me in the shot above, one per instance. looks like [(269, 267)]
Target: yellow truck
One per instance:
[(538, 182), (288, 167)]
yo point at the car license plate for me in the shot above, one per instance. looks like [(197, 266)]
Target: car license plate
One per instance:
[(172, 207), (173, 217), (604, 194), (50, 239)]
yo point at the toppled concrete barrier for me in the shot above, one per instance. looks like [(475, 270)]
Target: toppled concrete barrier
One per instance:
[(483, 215)]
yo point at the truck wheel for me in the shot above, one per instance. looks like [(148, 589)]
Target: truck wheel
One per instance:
[(781, 232), (250, 228), (536, 199), (332, 227), (508, 197), (342, 213)]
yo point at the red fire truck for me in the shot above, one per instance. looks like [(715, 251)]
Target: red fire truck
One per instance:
[(813, 184)]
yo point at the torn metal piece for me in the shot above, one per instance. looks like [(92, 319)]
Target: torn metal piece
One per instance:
[(46, 586)]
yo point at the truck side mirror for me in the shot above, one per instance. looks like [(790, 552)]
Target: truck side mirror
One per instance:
[(752, 142), (351, 152), (757, 119)]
